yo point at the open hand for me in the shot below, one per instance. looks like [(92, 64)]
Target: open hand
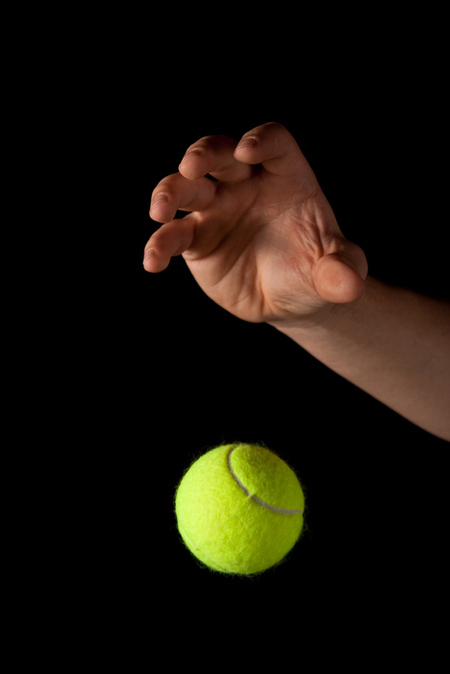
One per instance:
[(261, 239)]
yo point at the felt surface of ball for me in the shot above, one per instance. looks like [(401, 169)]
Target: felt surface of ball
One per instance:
[(239, 509)]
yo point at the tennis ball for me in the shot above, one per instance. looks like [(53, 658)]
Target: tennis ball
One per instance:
[(239, 509)]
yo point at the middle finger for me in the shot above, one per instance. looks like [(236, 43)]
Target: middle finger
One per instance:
[(213, 155), (175, 192)]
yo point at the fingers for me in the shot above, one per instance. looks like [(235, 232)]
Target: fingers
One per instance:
[(213, 155), (175, 192), (270, 145), (275, 148), (170, 240)]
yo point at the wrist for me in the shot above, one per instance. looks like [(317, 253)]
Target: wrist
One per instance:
[(330, 319)]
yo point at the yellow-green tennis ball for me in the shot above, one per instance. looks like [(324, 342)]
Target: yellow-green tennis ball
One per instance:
[(240, 509)]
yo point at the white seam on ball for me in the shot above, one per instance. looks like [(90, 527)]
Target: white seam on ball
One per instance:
[(255, 498)]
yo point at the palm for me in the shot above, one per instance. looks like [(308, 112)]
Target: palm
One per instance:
[(262, 266), (254, 239)]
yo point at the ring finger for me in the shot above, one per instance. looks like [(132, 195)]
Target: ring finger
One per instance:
[(175, 192)]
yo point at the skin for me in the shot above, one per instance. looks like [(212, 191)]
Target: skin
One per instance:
[(263, 242)]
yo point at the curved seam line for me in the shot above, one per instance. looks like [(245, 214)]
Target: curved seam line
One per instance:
[(255, 498)]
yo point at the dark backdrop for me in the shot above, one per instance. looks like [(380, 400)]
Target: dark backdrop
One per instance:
[(171, 374)]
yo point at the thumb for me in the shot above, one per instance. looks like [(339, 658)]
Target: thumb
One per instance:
[(339, 277)]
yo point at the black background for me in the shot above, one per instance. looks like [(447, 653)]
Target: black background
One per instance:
[(167, 374)]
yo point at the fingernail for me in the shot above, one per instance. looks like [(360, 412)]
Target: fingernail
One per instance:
[(196, 151), (249, 142), (159, 199), (151, 252)]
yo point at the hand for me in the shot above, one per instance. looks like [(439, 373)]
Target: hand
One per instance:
[(261, 240)]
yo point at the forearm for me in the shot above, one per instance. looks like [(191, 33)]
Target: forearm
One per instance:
[(392, 343)]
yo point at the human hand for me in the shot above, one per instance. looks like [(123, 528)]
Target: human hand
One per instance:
[(261, 240)]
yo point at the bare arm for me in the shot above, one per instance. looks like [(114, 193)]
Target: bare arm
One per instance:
[(392, 343), (263, 242)]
